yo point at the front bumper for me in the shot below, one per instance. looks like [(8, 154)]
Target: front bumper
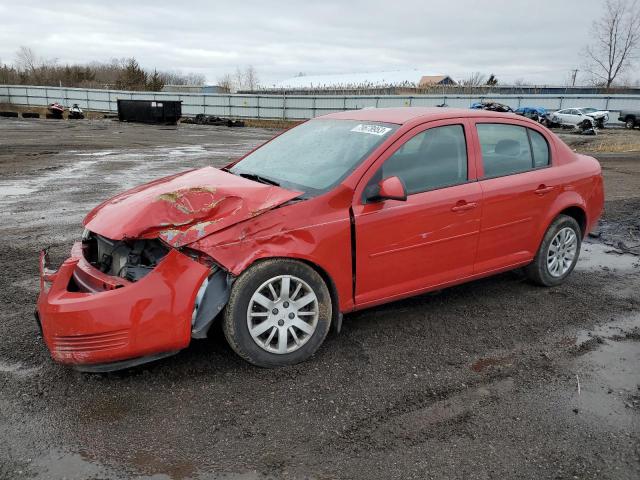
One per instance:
[(121, 321)]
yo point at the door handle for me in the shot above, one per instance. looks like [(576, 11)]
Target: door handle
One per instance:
[(463, 206), (542, 189)]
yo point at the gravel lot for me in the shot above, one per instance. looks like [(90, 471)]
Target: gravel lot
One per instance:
[(477, 381)]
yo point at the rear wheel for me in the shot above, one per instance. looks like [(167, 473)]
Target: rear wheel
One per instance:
[(558, 253), (279, 313)]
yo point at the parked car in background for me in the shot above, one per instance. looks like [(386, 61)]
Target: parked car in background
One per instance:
[(600, 116), (343, 212), (538, 114), (631, 118), (491, 106), (572, 117)]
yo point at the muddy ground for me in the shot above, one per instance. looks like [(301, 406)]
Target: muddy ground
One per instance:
[(477, 381)]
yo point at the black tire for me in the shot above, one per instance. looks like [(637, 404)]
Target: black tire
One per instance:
[(630, 122), (538, 271), (236, 329)]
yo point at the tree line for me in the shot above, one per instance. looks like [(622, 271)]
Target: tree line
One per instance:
[(122, 74)]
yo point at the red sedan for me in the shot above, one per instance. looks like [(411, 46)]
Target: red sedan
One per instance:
[(343, 212)]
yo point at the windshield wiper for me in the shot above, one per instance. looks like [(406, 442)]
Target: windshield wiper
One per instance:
[(258, 178)]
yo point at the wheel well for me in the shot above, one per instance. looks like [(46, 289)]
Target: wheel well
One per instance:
[(333, 291), (579, 215), (630, 117)]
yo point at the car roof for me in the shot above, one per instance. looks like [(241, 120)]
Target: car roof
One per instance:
[(402, 115)]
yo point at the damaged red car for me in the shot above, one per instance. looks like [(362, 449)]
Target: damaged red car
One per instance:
[(340, 213)]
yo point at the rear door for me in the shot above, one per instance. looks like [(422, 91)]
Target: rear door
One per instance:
[(572, 117), (430, 239), (518, 187)]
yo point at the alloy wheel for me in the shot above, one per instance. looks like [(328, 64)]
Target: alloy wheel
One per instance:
[(562, 251), (282, 314)]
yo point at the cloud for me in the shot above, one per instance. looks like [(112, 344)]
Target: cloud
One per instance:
[(538, 41)]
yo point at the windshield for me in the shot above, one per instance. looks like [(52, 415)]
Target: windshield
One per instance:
[(588, 110), (315, 156)]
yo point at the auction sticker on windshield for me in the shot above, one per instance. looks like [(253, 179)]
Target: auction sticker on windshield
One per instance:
[(372, 129)]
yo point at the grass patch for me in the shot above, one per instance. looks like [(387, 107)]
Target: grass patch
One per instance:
[(611, 147), (277, 124)]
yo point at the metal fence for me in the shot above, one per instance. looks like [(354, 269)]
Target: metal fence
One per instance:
[(294, 107)]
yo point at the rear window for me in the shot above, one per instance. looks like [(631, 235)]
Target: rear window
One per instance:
[(509, 149), (540, 149)]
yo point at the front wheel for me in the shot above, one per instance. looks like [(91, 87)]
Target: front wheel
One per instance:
[(279, 313), (630, 123), (558, 253)]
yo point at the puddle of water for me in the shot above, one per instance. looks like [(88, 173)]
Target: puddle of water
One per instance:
[(609, 374), (13, 190), (71, 466), (611, 331), (100, 153), (599, 257), (58, 464), (610, 382), (191, 150)]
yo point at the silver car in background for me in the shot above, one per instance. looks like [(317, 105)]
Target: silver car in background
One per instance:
[(580, 117)]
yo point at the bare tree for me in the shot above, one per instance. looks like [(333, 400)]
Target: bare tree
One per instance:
[(616, 42), (246, 79), (175, 77), (238, 79), (476, 79), (226, 82), (26, 59), (250, 78)]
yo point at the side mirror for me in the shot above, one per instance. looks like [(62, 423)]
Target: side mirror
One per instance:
[(390, 188)]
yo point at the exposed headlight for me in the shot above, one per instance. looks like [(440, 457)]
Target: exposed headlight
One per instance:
[(86, 235)]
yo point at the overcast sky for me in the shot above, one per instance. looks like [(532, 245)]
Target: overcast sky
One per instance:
[(535, 40)]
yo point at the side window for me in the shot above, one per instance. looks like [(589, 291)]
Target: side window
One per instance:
[(432, 159), (505, 149), (540, 149)]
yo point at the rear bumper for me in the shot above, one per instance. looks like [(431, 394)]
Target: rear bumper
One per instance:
[(148, 318)]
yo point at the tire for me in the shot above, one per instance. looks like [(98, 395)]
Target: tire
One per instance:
[(539, 270), (630, 123), (247, 306)]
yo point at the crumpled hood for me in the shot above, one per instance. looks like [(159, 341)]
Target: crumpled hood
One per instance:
[(185, 207)]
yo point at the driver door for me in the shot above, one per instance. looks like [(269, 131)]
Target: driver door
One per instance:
[(429, 240)]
